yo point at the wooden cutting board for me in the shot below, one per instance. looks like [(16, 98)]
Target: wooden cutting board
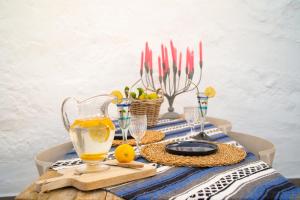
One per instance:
[(90, 181)]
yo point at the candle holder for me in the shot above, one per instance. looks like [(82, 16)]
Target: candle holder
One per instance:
[(172, 80)]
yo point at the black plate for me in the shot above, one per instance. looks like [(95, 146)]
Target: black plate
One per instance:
[(191, 148)]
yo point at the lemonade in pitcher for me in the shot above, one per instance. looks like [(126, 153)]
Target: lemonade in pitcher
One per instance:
[(92, 138), (90, 128)]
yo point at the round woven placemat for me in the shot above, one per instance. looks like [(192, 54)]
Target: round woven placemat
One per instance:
[(150, 137), (226, 155)]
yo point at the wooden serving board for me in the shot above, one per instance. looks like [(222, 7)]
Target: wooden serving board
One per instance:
[(90, 181)]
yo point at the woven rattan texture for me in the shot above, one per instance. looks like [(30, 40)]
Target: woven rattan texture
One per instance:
[(150, 137), (150, 108), (226, 155)]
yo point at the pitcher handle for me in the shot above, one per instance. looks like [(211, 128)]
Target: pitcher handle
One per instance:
[(64, 113)]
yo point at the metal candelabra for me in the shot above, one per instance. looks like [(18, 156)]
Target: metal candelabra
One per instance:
[(171, 79)]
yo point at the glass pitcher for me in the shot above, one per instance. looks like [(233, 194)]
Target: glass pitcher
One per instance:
[(90, 128)]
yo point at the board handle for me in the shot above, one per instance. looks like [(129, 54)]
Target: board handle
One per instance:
[(53, 183), (132, 164)]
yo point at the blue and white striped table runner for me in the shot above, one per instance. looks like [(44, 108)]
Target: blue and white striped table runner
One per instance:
[(249, 179)]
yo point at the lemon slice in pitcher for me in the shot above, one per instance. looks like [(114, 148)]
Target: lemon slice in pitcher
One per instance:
[(98, 128), (99, 134)]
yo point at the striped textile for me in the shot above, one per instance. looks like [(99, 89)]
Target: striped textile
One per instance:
[(249, 179)]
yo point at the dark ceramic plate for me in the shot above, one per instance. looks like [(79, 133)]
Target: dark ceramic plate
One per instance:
[(191, 148)]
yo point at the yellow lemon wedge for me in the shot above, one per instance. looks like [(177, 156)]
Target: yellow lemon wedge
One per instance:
[(92, 156), (124, 153), (99, 134), (210, 92), (98, 128), (118, 95)]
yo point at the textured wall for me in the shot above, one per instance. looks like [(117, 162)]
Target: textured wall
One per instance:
[(53, 49)]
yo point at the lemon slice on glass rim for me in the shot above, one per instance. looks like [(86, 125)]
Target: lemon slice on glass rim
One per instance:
[(210, 92), (118, 95)]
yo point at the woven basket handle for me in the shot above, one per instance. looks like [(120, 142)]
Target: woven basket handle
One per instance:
[(159, 91)]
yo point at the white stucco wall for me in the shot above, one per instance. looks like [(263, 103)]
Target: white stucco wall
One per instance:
[(53, 49)]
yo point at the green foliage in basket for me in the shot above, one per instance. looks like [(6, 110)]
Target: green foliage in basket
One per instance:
[(140, 94)]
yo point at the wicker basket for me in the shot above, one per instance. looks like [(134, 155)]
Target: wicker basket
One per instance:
[(147, 107)]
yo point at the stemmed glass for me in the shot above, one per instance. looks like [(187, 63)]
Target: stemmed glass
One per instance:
[(203, 102), (138, 128), (191, 115), (124, 116)]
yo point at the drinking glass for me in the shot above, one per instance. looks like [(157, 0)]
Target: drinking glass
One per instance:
[(191, 115), (203, 102), (138, 127), (124, 116)]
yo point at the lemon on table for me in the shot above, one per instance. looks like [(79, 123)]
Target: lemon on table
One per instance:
[(124, 153), (210, 92), (118, 95)]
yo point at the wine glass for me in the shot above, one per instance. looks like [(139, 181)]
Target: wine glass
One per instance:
[(138, 127), (124, 116), (191, 115), (203, 102)]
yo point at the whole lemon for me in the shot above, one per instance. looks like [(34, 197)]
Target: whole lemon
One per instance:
[(143, 96), (124, 153), (152, 96)]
